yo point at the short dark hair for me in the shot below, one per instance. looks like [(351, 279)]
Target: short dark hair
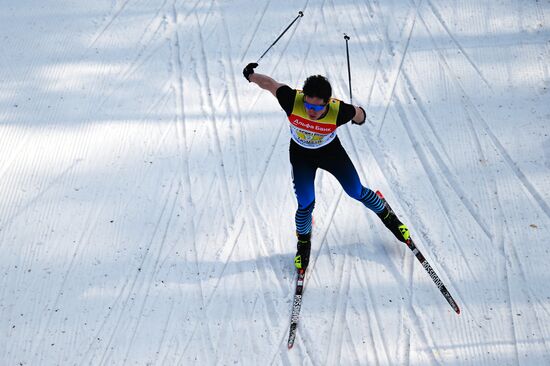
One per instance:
[(318, 86)]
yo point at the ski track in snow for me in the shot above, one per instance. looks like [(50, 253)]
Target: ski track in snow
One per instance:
[(457, 44), (147, 208), (109, 23), (397, 72)]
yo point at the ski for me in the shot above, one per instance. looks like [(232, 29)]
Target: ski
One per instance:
[(296, 305), (433, 275), (424, 262)]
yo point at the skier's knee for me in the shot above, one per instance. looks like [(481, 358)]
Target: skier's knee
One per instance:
[(306, 208)]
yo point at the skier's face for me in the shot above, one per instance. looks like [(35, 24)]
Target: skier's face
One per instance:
[(315, 107)]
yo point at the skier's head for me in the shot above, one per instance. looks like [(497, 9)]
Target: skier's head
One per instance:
[(317, 92), (317, 86)]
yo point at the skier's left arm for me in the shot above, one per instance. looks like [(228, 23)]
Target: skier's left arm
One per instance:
[(349, 112)]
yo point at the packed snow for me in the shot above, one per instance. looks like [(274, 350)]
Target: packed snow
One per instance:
[(146, 200)]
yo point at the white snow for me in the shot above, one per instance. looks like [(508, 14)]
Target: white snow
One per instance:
[(146, 203)]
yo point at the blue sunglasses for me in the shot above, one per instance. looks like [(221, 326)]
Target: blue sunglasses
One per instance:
[(315, 107)]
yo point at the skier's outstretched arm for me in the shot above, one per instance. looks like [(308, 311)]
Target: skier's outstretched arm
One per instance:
[(263, 81)]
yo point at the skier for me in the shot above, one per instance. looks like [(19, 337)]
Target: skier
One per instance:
[(314, 117)]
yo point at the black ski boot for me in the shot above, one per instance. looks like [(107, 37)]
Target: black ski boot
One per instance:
[(391, 221), (301, 260)]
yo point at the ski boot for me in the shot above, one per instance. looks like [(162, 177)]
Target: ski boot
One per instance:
[(391, 221), (301, 260)]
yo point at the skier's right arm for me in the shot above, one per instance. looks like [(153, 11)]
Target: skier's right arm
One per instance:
[(263, 81)]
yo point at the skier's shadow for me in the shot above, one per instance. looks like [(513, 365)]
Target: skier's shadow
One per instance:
[(378, 251)]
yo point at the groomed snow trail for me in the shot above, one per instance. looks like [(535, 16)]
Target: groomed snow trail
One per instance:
[(146, 204)]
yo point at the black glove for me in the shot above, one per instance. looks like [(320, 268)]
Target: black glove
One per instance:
[(249, 70)]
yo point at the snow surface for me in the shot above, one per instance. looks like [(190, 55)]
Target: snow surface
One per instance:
[(146, 205)]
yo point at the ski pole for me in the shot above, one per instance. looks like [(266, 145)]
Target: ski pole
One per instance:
[(300, 14), (346, 37)]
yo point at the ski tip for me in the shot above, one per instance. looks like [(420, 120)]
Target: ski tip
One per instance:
[(457, 310)]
